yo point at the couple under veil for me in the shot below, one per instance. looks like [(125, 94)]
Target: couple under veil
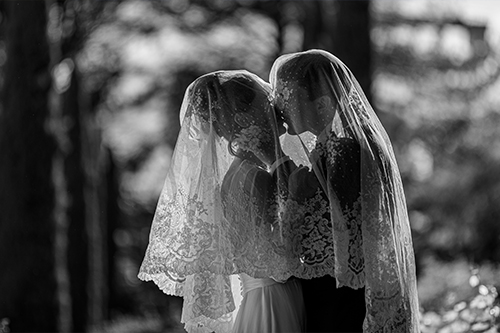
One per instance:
[(283, 208)]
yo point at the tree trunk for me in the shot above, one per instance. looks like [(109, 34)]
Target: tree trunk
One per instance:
[(28, 285), (78, 246), (351, 40), (84, 163), (112, 222), (94, 163), (85, 170), (342, 28), (53, 194)]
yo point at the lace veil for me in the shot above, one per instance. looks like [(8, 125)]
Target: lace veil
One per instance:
[(219, 210), (334, 132)]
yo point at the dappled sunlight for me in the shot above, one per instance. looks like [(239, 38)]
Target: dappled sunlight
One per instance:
[(426, 39), (135, 129), (459, 297), (421, 161), (62, 75), (456, 44), (144, 187), (392, 89), (144, 53), (131, 86), (436, 77)]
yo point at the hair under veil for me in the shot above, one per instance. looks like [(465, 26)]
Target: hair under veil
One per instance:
[(207, 225), (372, 242)]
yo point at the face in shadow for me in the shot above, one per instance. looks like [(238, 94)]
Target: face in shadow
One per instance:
[(303, 111)]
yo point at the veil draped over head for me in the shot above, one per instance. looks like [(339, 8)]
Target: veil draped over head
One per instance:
[(340, 138), (219, 210)]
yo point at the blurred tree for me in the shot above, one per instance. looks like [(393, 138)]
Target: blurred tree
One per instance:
[(86, 184), (59, 188), (343, 28), (434, 77), (27, 220)]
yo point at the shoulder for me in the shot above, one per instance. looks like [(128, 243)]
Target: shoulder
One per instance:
[(251, 175), (346, 147), (345, 143), (245, 176), (249, 169)]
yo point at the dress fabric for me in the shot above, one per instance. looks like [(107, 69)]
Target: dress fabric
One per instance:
[(269, 306)]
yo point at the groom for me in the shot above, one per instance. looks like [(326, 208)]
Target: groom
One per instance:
[(309, 108)]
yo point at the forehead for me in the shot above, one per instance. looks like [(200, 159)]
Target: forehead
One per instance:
[(290, 90)]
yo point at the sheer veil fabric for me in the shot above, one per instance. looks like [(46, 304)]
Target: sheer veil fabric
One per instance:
[(242, 196), (334, 132), (219, 212)]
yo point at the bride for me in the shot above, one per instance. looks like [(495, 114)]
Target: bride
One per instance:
[(250, 188), (219, 212)]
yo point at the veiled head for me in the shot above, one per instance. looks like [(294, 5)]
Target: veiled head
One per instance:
[(236, 105), (308, 88)]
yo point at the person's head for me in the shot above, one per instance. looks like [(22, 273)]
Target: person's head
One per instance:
[(238, 107), (307, 89)]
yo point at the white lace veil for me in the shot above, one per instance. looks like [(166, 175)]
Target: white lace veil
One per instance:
[(219, 210), (354, 163)]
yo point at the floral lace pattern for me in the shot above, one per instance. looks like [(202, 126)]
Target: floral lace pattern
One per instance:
[(256, 241), (372, 245), (357, 105), (203, 255), (251, 138), (331, 242), (284, 94), (310, 225), (203, 110), (184, 258)]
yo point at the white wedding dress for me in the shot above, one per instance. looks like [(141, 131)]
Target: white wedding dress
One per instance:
[(269, 306)]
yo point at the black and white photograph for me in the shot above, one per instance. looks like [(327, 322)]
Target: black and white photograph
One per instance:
[(250, 166)]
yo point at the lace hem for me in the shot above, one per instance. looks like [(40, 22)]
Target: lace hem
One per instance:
[(206, 325), (391, 313), (208, 302), (168, 286)]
